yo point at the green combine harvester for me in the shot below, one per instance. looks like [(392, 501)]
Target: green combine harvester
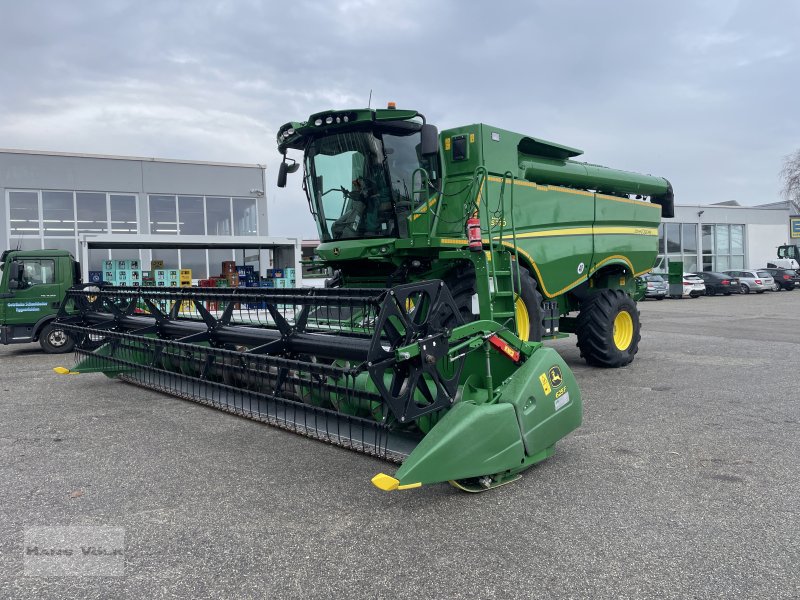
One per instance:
[(454, 256)]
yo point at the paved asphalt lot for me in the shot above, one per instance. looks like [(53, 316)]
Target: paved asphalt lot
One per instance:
[(682, 483)]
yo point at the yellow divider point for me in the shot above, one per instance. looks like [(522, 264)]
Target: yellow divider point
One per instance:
[(385, 482), (64, 371)]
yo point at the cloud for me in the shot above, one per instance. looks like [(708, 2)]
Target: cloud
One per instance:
[(702, 93)]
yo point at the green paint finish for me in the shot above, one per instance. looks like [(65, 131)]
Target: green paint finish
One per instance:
[(519, 429), (471, 440), (33, 300), (572, 219), (546, 411)]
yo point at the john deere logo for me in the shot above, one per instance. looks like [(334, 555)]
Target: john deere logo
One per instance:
[(554, 374), (336, 251)]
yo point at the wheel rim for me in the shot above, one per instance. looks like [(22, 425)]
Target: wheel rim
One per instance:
[(523, 319), (623, 330), (57, 338)]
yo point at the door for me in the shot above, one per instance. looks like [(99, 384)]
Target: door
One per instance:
[(36, 296)]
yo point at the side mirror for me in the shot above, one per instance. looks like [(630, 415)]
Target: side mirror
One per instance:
[(284, 170), (282, 175), (429, 144), (15, 272)]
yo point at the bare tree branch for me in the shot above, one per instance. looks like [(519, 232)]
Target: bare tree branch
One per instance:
[(790, 176)]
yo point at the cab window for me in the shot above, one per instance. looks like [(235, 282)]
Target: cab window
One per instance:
[(37, 271)]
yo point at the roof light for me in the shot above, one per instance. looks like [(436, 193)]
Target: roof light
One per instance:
[(328, 120), (318, 122), (345, 118), (391, 106)]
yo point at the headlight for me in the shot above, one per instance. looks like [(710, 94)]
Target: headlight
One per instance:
[(318, 122), (328, 120)]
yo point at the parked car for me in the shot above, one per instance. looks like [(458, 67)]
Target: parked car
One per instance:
[(693, 286), (719, 283), (758, 281), (785, 279), (656, 286)]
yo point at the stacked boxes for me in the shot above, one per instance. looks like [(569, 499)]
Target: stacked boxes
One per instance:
[(185, 278), (120, 272), (281, 278), (170, 277)]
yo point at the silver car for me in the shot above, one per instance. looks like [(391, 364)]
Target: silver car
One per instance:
[(757, 281)]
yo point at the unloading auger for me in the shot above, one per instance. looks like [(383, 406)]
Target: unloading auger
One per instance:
[(395, 373)]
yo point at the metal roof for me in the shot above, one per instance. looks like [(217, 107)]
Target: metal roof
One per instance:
[(132, 158)]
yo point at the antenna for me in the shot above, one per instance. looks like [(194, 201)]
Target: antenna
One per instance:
[(369, 103)]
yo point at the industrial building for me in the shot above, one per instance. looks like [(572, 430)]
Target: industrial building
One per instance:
[(718, 237), (59, 200)]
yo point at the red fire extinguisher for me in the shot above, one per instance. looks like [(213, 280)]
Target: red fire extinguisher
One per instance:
[(474, 234)]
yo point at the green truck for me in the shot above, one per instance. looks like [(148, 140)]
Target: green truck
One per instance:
[(454, 256), (32, 286)]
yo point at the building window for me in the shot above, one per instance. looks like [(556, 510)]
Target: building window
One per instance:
[(199, 215), (92, 212), (244, 216), (58, 214), (194, 259), (24, 214), (728, 252), (163, 215), (123, 214), (677, 242), (191, 215), (215, 259), (218, 216)]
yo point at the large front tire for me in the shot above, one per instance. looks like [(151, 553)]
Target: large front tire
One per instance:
[(608, 329)]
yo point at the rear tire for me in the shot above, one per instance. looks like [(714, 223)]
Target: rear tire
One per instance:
[(776, 287), (608, 329), (54, 340), (745, 288)]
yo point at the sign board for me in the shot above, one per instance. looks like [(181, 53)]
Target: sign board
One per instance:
[(794, 227)]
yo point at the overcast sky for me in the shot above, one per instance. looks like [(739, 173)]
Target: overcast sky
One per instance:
[(702, 93)]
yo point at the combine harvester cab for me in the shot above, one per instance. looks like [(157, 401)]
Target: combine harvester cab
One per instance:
[(395, 373)]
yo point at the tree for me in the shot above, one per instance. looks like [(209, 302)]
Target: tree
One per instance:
[(790, 176)]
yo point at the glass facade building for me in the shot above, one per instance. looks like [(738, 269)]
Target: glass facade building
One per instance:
[(50, 200), (702, 247)]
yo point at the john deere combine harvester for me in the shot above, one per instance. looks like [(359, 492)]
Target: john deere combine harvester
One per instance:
[(454, 255)]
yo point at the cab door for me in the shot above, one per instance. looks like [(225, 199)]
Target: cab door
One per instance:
[(36, 294)]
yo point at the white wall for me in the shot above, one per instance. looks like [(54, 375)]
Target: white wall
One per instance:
[(763, 242)]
